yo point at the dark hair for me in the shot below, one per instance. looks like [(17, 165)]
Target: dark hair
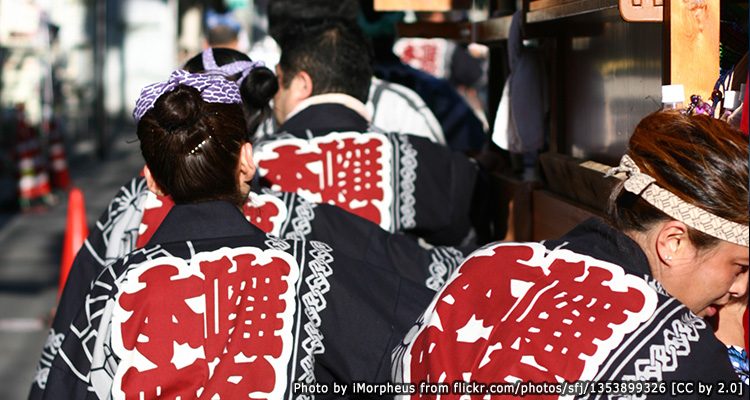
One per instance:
[(335, 54), (701, 159), (256, 90), (192, 147), (221, 35), (282, 13)]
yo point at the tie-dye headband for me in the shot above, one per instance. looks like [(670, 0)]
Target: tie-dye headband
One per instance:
[(213, 88), (695, 217), (244, 67)]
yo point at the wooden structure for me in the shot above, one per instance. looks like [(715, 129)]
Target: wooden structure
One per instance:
[(607, 62)]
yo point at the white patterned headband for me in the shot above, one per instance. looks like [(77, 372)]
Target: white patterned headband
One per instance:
[(244, 67), (695, 217), (213, 89)]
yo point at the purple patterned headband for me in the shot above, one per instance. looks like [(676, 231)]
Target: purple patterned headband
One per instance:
[(213, 89), (209, 65)]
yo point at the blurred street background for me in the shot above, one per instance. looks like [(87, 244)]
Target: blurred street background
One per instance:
[(70, 72)]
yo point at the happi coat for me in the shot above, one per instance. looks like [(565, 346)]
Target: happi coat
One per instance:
[(135, 214), (326, 153), (212, 305), (584, 308)]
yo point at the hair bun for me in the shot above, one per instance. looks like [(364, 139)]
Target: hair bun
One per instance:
[(259, 87), (179, 108)]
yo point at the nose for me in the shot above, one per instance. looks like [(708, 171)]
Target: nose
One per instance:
[(739, 287)]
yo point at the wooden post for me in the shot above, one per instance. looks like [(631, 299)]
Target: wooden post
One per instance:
[(692, 33)]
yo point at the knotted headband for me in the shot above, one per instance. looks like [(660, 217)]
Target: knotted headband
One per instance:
[(214, 88), (697, 218), (244, 67)]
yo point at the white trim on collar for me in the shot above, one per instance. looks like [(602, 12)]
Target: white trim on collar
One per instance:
[(337, 98)]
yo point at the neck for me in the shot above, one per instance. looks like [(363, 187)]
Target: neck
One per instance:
[(645, 242), (338, 98)]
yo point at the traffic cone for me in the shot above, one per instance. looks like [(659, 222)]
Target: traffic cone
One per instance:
[(76, 230), (58, 163), (33, 182)]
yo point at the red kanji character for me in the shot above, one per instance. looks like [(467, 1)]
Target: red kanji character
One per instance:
[(348, 173), (157, 311), (289, 170), (429, 55), (514, 314), (161, 319), (248, 297), (354, 180), (408, 55)]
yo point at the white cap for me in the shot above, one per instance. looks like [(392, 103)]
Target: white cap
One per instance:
[(672, 94), (732, 99)]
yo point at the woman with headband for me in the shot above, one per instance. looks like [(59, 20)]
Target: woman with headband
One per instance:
[(610, 309), (213, 307)]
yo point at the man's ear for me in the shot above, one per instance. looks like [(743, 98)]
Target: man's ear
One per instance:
[(151, 183), (302, 85), (247, 165), (673, 243)]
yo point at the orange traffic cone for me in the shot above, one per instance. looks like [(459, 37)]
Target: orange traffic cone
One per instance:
[(76, 231)]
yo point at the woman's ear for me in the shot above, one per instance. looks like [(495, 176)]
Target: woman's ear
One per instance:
[(673, 243), (151, 183), (247, 165)]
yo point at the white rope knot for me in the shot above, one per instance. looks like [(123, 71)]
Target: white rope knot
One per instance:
[(636, 181)]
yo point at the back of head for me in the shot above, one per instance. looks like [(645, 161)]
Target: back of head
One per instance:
[(222, 29), (257, 88), (702, 160), (333, 52), (222, 36), (192, 147), (282, 13)]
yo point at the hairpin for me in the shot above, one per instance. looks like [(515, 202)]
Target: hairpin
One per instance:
[(200, 145)]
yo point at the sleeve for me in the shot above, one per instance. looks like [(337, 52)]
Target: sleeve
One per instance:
[(424, 265), (443, 188), (87, 265)]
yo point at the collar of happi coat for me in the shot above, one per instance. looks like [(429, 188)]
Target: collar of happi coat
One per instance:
[(205, 220)]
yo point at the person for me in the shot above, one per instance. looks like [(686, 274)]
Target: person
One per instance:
[(223, 30), (212, 306), (135, 214), (463, 130), (392, 107), (325, 151), (618, 306)]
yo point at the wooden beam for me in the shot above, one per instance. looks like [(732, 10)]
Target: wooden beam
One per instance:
[(421, 5)]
